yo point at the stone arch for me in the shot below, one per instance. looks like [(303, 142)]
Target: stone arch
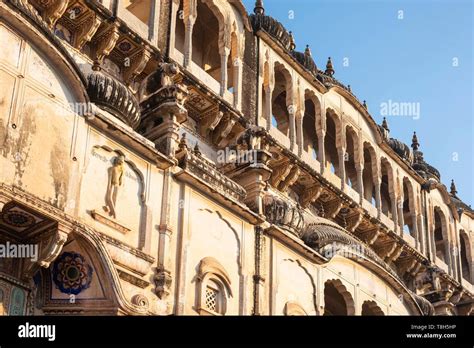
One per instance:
[(387, 188), (337, 299), (370, 172), (466, 255), (352, 157), (441, 234), (311, 124), (333, 141), (282, 98), (408, 207), (370, 308)]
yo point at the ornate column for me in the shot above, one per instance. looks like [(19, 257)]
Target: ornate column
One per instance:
[(188, 40), (237, 71), (321, 149), (224, 52), (268, 106), (153, 22), (378, 198), (292, 121), (360, 180), (400, 213), (299, 131), (393, 200), (342, 168)]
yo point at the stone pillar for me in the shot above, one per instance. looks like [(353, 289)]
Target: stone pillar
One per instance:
[(292, 121), (321, 149), (400, 214), (299, 131), (224, 77), (360, 181), (188, 40), (378, 197), (393, 200), (342, 168), (268, 106), (237, 71)]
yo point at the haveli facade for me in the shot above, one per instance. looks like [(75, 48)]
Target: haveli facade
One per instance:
[(114, 118)]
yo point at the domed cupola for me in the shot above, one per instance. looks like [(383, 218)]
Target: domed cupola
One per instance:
[(424, 169), (113, 96), (306, 60), (271, 26)]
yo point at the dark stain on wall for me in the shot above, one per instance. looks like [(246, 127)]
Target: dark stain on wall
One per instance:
[(59, 164)]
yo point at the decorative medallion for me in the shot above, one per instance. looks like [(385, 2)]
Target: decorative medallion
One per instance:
[(71, 273), (125, 46), (18, 218)]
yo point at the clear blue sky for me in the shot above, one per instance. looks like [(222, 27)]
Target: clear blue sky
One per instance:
[(403, 60)]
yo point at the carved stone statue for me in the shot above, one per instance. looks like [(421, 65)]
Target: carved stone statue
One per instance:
[(116, 173)]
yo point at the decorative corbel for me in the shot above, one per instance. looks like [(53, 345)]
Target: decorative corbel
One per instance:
[(353, 221), (223, 129), (87, 30), (54, 10), (136, 65), (332, 208), (280, 172), (50, 245), (369, 236), (210, 121), (310, 195), (290, 179), (386, 248), (105, 40)]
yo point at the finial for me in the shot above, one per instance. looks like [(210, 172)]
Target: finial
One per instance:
[(96, 65), (385, 124), (307, 51), (329, 68), (292, 42), (183, 144), (415, 145), (454, 192), (197, 151), (365, 105), (349, 88), (259, 9)]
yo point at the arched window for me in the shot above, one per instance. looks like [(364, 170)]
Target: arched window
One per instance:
[(369, 173), (337, 300), (281, 117), (180, 32), (408, 207), (213, 288), (206, 53), (370, 308), (330, 143), (386, 186), (310, 137), (440, 235), (351, 157)]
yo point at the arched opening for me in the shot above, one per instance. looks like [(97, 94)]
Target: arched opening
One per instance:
[(465, 256), (330, 143), (232, 64), (337, 300), (386, 186), (350, 157), (310, 137), (206, 41), (369, 173), (281, 117), (370, 308), (408, 207), (440, 235), (180, 31)]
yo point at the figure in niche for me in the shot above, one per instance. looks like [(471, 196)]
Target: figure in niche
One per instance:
[(116, 174)]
